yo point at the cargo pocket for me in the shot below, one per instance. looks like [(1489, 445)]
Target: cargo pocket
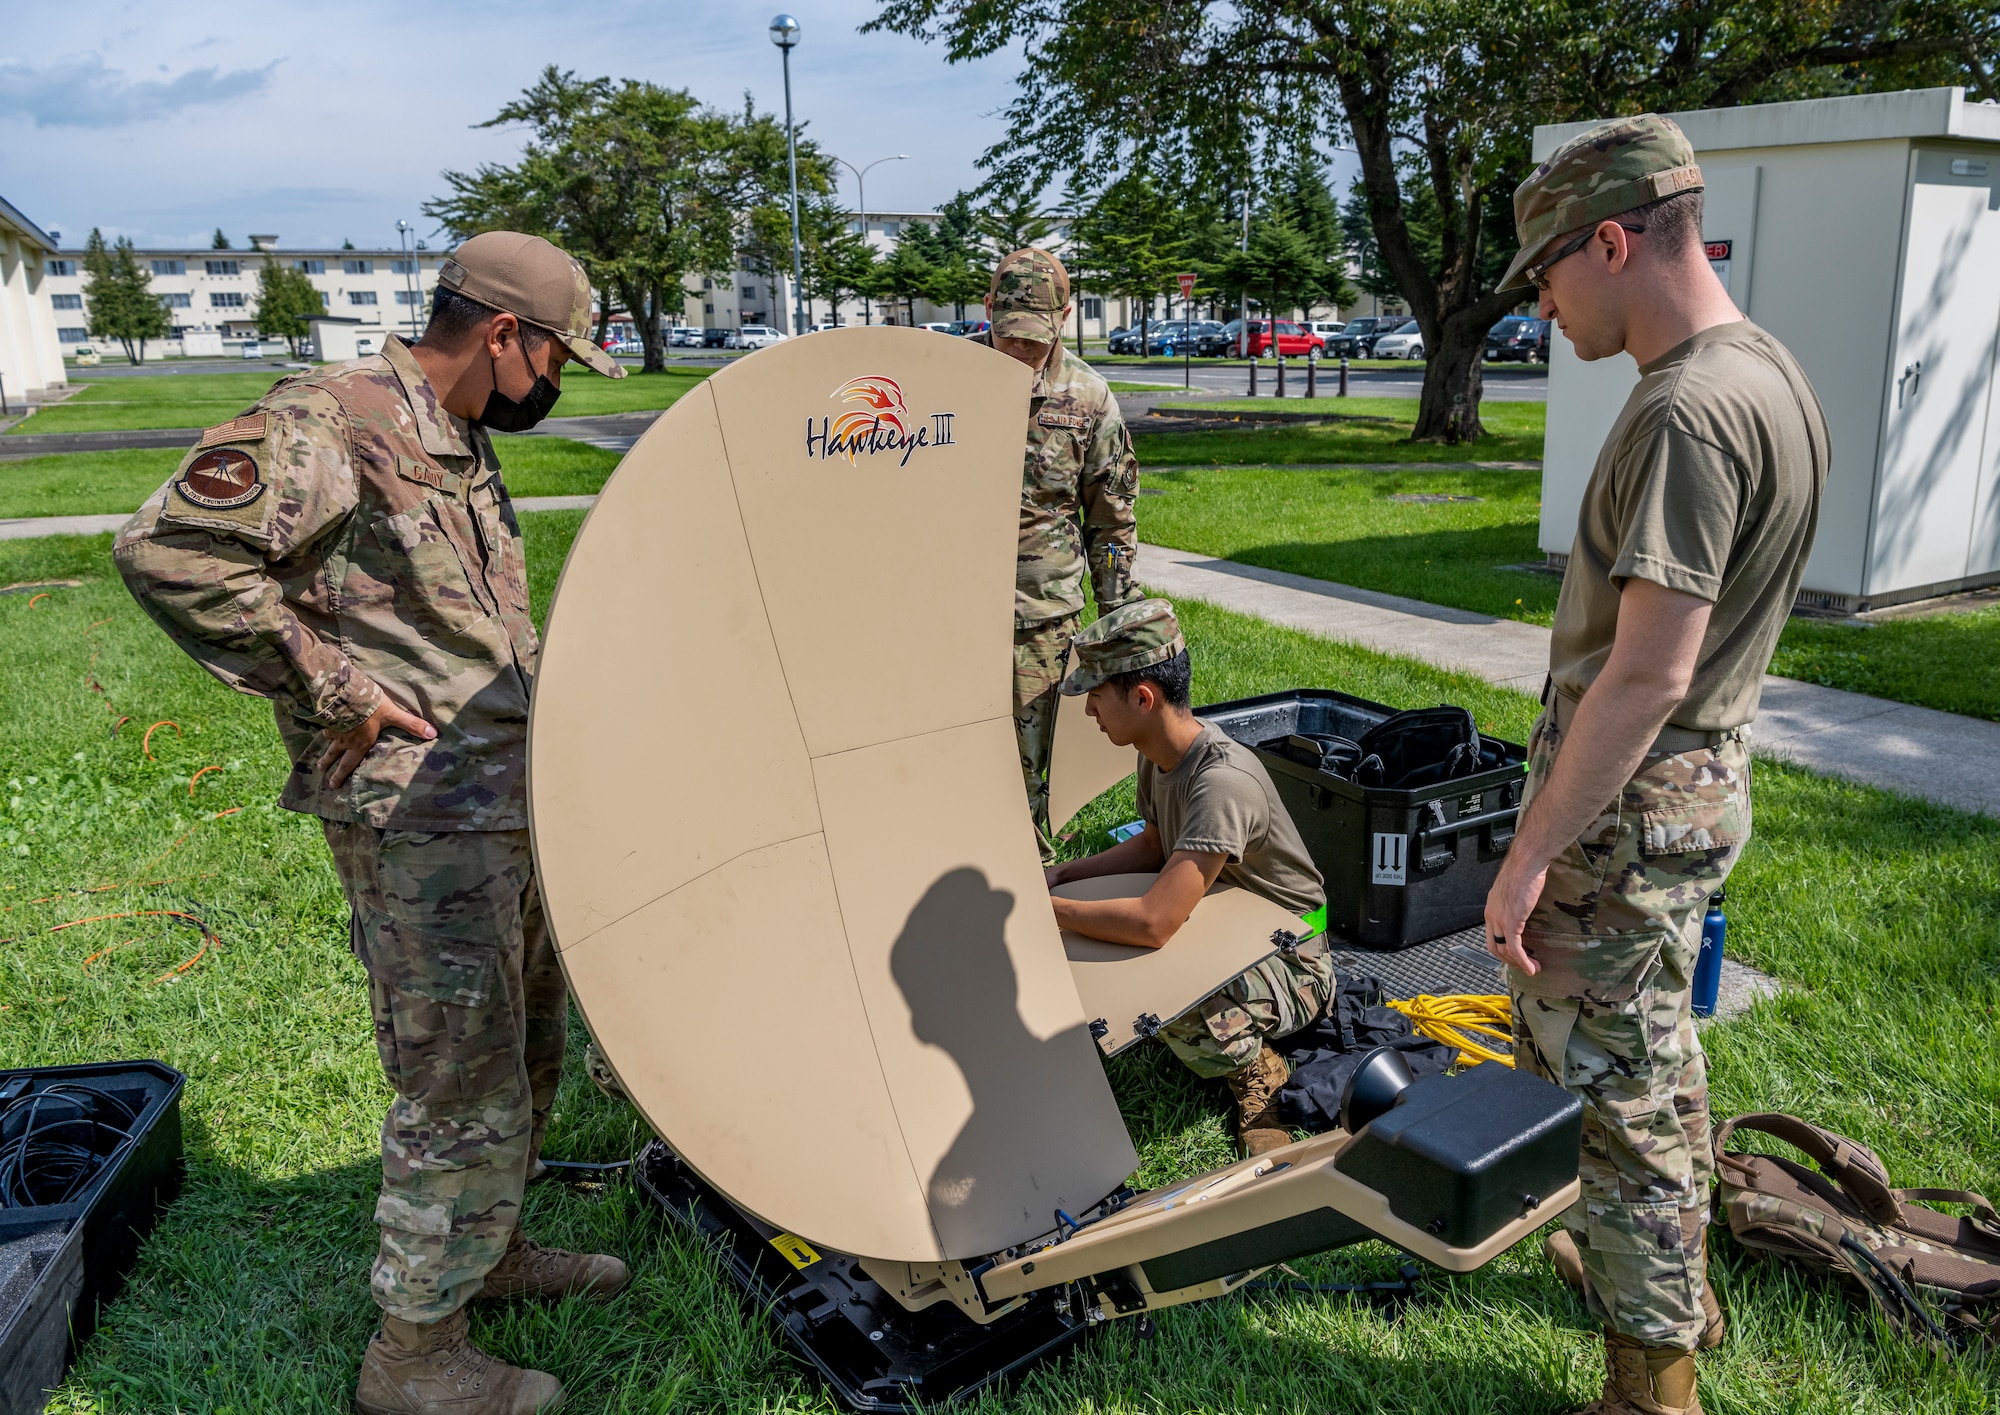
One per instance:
[(1603, 968), (1695, 804), (444, 1019)]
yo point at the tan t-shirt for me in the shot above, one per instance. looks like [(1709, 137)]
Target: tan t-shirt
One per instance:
[(1220, 801), (1710, 484)]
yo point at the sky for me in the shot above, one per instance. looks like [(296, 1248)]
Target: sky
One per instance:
[(164, 120)]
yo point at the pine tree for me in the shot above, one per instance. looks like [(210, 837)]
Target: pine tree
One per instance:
[(122, 303), (218, 242)]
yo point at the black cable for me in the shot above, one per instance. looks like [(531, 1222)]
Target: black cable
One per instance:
[(55, 1141)]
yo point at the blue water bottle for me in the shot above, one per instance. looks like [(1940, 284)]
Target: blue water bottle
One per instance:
[(1708, 967)]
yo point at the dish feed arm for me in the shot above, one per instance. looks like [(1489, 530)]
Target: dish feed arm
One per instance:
[(1461, 1169)]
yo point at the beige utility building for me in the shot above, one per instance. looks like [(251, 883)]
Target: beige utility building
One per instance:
[(31, 360), (1864, 233)]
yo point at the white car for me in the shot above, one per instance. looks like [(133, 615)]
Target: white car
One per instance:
[(685, 337), (1325, 329), (936, 328), (1406, 341), (822, 328), (752, 336)]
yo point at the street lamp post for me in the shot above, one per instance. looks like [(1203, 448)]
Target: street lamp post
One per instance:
[(403, 230), (785, 34), (861, 195)]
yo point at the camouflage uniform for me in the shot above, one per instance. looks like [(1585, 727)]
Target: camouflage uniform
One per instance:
[(1079, 478), (345, 535), (1223, 1032), (1608, 1017)]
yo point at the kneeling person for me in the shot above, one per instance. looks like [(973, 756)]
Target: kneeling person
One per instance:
[(1211, 814)]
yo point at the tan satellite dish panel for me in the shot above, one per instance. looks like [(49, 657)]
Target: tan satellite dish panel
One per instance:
[(1229, 931), (773, 778), (1083, 764)]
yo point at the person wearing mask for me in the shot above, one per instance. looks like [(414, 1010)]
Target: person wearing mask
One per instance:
[(346, 549)]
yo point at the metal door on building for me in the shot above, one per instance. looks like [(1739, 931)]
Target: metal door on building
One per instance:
[(1930, 501)]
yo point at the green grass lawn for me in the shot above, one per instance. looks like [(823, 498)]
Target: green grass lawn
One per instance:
[(1881, 915), (1514, 434), (102, 483), (1946, 661), (204, 399)]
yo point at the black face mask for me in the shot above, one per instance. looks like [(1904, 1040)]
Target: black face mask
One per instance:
[(504, 414)]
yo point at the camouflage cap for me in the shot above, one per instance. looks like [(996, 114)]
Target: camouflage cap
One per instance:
[(1029, 294), (1129, 638), (533, 281), (1596, 175)]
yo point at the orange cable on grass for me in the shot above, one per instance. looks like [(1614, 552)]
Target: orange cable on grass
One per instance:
[(34, 600), (146, 745), (198, 776), (119, 723)]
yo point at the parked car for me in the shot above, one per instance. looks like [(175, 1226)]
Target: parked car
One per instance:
[(1357, 339), (966, 328), (253, 350), (686, 336), (87, 357), (1325, 329), (1292, 341), (752, 336), (716, 338), (1405, 341), (822, 328), (937, 326), (1170, 338), (1126, 341), (1519, 336), (1220, 341)]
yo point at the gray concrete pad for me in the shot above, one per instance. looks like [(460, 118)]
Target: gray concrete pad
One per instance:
[(1915, 751), (29, 527)]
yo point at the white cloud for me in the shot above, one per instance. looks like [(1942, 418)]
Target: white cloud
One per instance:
[(84, 92)]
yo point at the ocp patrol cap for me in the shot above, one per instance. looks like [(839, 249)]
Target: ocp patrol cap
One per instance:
[(1030, 291), (1129, 638), (535, 282), (1598, 174)]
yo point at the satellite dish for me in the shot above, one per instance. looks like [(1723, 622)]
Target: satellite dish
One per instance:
[(778, 814)]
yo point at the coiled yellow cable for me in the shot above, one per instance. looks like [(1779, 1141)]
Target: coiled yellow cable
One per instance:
[(1449, 1019)]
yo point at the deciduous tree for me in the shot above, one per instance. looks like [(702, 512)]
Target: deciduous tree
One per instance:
[(287, 304), (1437, 97)]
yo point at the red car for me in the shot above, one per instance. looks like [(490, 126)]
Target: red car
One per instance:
[(1293, 342)]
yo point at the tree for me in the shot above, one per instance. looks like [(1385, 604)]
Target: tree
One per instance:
[(1438, 97), (218, 242), (1012, 224), (642, 184), (287, 304), (120, 295), (957, 255), (1130, 240), (906, 275)]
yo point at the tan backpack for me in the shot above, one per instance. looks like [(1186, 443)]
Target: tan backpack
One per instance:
[(1932, 1275)]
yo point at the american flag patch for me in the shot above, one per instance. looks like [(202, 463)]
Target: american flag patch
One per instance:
[(248, 428)]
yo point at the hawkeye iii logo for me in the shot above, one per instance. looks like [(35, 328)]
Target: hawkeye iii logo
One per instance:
[(880, 422)]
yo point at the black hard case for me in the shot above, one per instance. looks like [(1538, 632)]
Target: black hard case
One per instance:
[(60, 1262), (1446, 840)]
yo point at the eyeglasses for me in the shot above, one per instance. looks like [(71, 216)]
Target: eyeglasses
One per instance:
[(1538, 274)]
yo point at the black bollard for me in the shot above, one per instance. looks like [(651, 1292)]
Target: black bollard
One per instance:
[(1253, 378), (1281, 377), (1343, 377), (1312, 377)]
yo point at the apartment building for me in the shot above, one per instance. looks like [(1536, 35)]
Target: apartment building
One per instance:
[(211, 295)]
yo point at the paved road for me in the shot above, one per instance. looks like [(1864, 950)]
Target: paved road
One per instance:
[(1219, 378)]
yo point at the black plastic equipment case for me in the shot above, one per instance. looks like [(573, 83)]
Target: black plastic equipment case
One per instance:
[(59, 1262), (1459, 1156), (1400, 866)]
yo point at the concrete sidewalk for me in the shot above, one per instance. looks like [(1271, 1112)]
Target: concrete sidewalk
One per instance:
[(1937, 756)]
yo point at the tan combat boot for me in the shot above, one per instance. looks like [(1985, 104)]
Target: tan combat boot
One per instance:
[(1256, 1090), (530, 1270), (1560, 1249), (1645, 1380), (435, 1369)]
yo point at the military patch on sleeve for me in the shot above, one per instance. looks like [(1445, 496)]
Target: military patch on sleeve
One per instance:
[(222, 479), (248, 428)]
